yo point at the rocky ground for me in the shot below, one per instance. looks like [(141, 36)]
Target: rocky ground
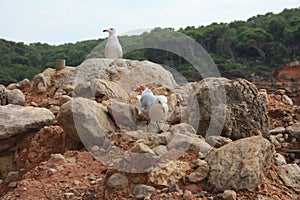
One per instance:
[(42, 156)]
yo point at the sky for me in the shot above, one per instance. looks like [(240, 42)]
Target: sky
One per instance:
[(63, 21)]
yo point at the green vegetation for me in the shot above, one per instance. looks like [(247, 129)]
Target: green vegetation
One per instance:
[(240, 49)]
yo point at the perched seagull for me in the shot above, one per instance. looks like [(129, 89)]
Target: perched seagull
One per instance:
[(154, 107), (113, 49)]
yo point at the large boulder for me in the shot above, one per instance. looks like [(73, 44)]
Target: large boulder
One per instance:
[(120, 77), (85, 120), (240, 164), (231, 108), (16, 120), (128, 73)]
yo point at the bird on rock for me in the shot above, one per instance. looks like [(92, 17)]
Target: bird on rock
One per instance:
[(154, 107), (113, 49)]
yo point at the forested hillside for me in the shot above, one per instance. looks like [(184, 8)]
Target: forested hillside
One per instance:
[(240, 49)]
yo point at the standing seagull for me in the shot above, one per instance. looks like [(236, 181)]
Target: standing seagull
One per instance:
[(113, 49), (154, 107)]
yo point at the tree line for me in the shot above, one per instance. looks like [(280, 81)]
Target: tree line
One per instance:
[(246, 49)]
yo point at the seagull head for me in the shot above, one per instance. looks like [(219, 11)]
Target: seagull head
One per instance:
[(111, 31), (163, 101)]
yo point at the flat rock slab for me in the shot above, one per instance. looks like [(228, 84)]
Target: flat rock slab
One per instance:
[(15, 120)]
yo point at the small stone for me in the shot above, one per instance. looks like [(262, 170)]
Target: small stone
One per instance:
[(279, 92), (277, 130), (12, 177), (160, 150), (118, 181), (76, 182), (68, 195), (294, 130), (200, 173), (229, 195), (141, 148), (64, 99), (52, 171), (287, 100), (275, 142), (71, 160), (99, 180), (162, 139), (13, 184), (34, 104), (194, 188), (95, 149), (174, 188), (279, 159), (193, 144), (187, 195), (262, 90), (92, 177), (277, 97), (290, 174), (136, 179), (57, 156), (1, 181), (217, 141), (143, 191)]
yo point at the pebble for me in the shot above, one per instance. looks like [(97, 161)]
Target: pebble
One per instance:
[(12, 177), (58, 156), (68, 195), (277, 130), (13, 184), (200, 173), (279, 92), (118, 181), (92, 177), (229, 195), (76, 182), (187, 195), (143, 191), (279, 159), (174, 188), (52, 171)]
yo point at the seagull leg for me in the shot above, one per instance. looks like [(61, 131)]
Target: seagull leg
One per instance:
[(113, 62), (159, 130), (148, 122)]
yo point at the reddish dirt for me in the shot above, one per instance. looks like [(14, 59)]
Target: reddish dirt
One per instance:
[(78, 175)]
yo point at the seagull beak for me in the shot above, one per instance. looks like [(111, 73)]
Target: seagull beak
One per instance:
[(105, 30), (163, 109)]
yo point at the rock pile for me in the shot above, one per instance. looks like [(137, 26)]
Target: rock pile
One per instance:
[(81, 135)]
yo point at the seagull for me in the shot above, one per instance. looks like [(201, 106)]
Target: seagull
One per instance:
[(113, 49), (154, 107)]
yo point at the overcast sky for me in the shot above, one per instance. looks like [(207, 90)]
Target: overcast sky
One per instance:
[(62, 21)]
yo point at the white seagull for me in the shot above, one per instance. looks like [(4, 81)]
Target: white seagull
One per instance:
[(154, 107), (113, 49)]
